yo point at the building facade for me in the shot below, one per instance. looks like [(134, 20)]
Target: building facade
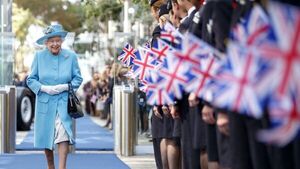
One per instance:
[(6, 43)]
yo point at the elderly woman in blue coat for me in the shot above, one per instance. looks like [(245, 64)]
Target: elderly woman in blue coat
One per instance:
[(52, 69)]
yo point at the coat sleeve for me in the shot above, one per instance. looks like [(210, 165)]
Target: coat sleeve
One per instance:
[(76, 75), (33, 78)]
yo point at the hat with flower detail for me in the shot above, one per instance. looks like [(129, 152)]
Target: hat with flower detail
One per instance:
[(52, 31)]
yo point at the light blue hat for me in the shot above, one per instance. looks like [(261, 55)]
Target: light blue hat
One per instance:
[(52, 31)]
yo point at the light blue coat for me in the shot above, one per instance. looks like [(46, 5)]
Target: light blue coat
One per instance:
[(48, 69)]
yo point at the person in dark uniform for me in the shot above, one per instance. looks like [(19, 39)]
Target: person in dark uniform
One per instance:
[(202, 29), (287, 156), (246, 151), (206, 27), (157, 121), (190, 157), (196, 104), (170, 143)]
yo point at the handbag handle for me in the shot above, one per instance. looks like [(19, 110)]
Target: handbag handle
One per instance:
[(71, 91)]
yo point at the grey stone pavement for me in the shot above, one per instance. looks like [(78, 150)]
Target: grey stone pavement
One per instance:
[(144, 158)]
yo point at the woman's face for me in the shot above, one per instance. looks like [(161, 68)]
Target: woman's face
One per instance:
[(54, 44), (154, 12), (175, 8), (174, 20)]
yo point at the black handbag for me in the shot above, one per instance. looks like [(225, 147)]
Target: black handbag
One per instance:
[(74, 105)]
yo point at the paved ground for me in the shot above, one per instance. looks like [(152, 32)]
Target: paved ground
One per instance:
[(141, 161)]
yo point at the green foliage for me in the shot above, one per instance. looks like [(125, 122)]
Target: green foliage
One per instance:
[(21, 20), (64, 12), (101, 11), (141, 2), (143, 11)]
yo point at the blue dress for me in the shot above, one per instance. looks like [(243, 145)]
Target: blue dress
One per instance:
[(49, 69)]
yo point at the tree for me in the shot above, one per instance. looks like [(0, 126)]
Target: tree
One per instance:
[(21, 21), (143, 12), (101, 11), (64, 12)]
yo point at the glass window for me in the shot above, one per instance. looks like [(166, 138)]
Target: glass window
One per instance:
[(6, 58)]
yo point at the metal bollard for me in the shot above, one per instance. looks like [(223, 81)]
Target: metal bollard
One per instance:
[(8, 110), (117, 104), (128, 121)]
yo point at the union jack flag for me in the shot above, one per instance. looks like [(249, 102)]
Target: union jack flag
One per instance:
[(143, 64), (286, 53), (127, 55), (285, 114), (243, 82), (173, 76), (202, 76), (171, 35), (237, 82), (256, 23), (156, 95), (160, 49), (190, 52), (200, 58)]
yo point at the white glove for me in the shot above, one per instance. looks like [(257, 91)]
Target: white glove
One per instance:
[(61, 87), (49, 89)]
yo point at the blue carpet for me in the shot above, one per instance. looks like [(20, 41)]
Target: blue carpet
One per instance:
[(75, 161), (89, 136)]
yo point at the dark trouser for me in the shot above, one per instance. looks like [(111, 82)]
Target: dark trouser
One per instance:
[(286, 157), (199, 141), (190, 156), (247, 153), (297, 153), (157, 155), (224, 150), (211, 142), (141, 113), (157, 135)]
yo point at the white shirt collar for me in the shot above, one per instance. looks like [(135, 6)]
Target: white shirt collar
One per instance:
[(191, 10), (183, 19)]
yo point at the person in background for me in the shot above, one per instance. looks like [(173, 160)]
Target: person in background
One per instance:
[(108, 101), (53, 68), (142, 109), (16, 80), (92, 91)]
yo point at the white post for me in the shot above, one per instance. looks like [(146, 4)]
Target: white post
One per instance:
[(2, 18), (111, 29), (1, 45), (126, 17), (141, 30)]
